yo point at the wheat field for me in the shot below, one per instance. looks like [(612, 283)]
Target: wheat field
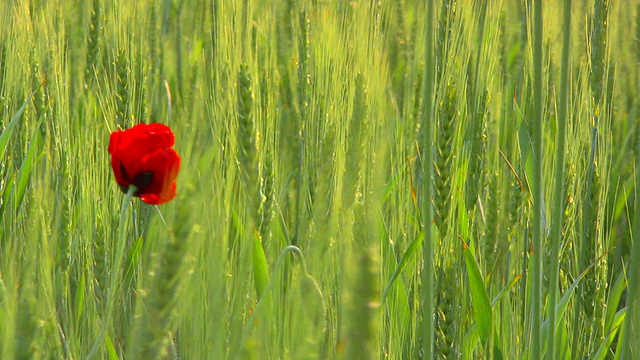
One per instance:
[(448, 179)]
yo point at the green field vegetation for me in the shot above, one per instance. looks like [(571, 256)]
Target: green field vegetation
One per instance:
[(307, 131)]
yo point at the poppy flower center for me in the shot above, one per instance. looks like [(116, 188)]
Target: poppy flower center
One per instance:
[(141, 180)]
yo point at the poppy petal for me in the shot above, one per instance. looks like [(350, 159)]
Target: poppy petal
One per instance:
[(155, 199), (117, 167), (142, 156), (164, 165)]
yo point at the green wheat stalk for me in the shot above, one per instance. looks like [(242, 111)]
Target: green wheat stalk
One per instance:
[(631, 325), (478, 149), (114, 285), (444, 37), (304, 95), (354, 146), (448, 113), (362, 325), (446, 313), (559, 194), (493, 227), (122, 89), (427, 139), (536, 300), (247, 150), (267, 194), (93, 42), (152, 334), (590, 291)]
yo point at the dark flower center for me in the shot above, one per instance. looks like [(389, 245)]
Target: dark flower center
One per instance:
[(141, 180)]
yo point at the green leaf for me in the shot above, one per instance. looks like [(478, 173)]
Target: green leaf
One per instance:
[(312, 300), (603, 350), (6, 192), (260, 268), (32, 157), (561, 306), (497, 353), (132, 260), (6, 134), (79, 299), (621, 335), (612, 302), (415, 245), (479, 296), (504, 290), (204, 165), (112, 354)]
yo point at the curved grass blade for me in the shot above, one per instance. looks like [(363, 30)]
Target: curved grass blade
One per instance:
[(612, 302), (260, 268), (415, 245), (6, 134), (112, 354), (561, 307), (9, 184), (617, 320), (32, 157), (505, 289), (622, 334), (79, 300), (481, 305)]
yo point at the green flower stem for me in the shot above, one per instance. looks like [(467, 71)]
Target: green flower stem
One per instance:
[(120, 247), (116, 268)]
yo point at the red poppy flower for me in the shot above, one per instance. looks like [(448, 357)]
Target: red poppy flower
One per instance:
[(142, 156)]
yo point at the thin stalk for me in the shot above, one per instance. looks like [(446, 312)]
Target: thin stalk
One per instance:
[(582, 257), (116, 268), (536, 303), (303, 98), (558, 201), (483, 15), (632, 321), (248, 326), (427, 161)]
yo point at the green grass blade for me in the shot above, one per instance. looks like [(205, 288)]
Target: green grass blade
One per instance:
[(6, 134), (114, 288), (613, 301), (561, 306), (32, 157), (505, 290), (112, 354), (622, 334), (79, 300), (479, 296), (428, 119), (603, 350), (538, 192), (558, 201), (408, 254), (265, 299), (132, 260), (9, 184), (260, 268)]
